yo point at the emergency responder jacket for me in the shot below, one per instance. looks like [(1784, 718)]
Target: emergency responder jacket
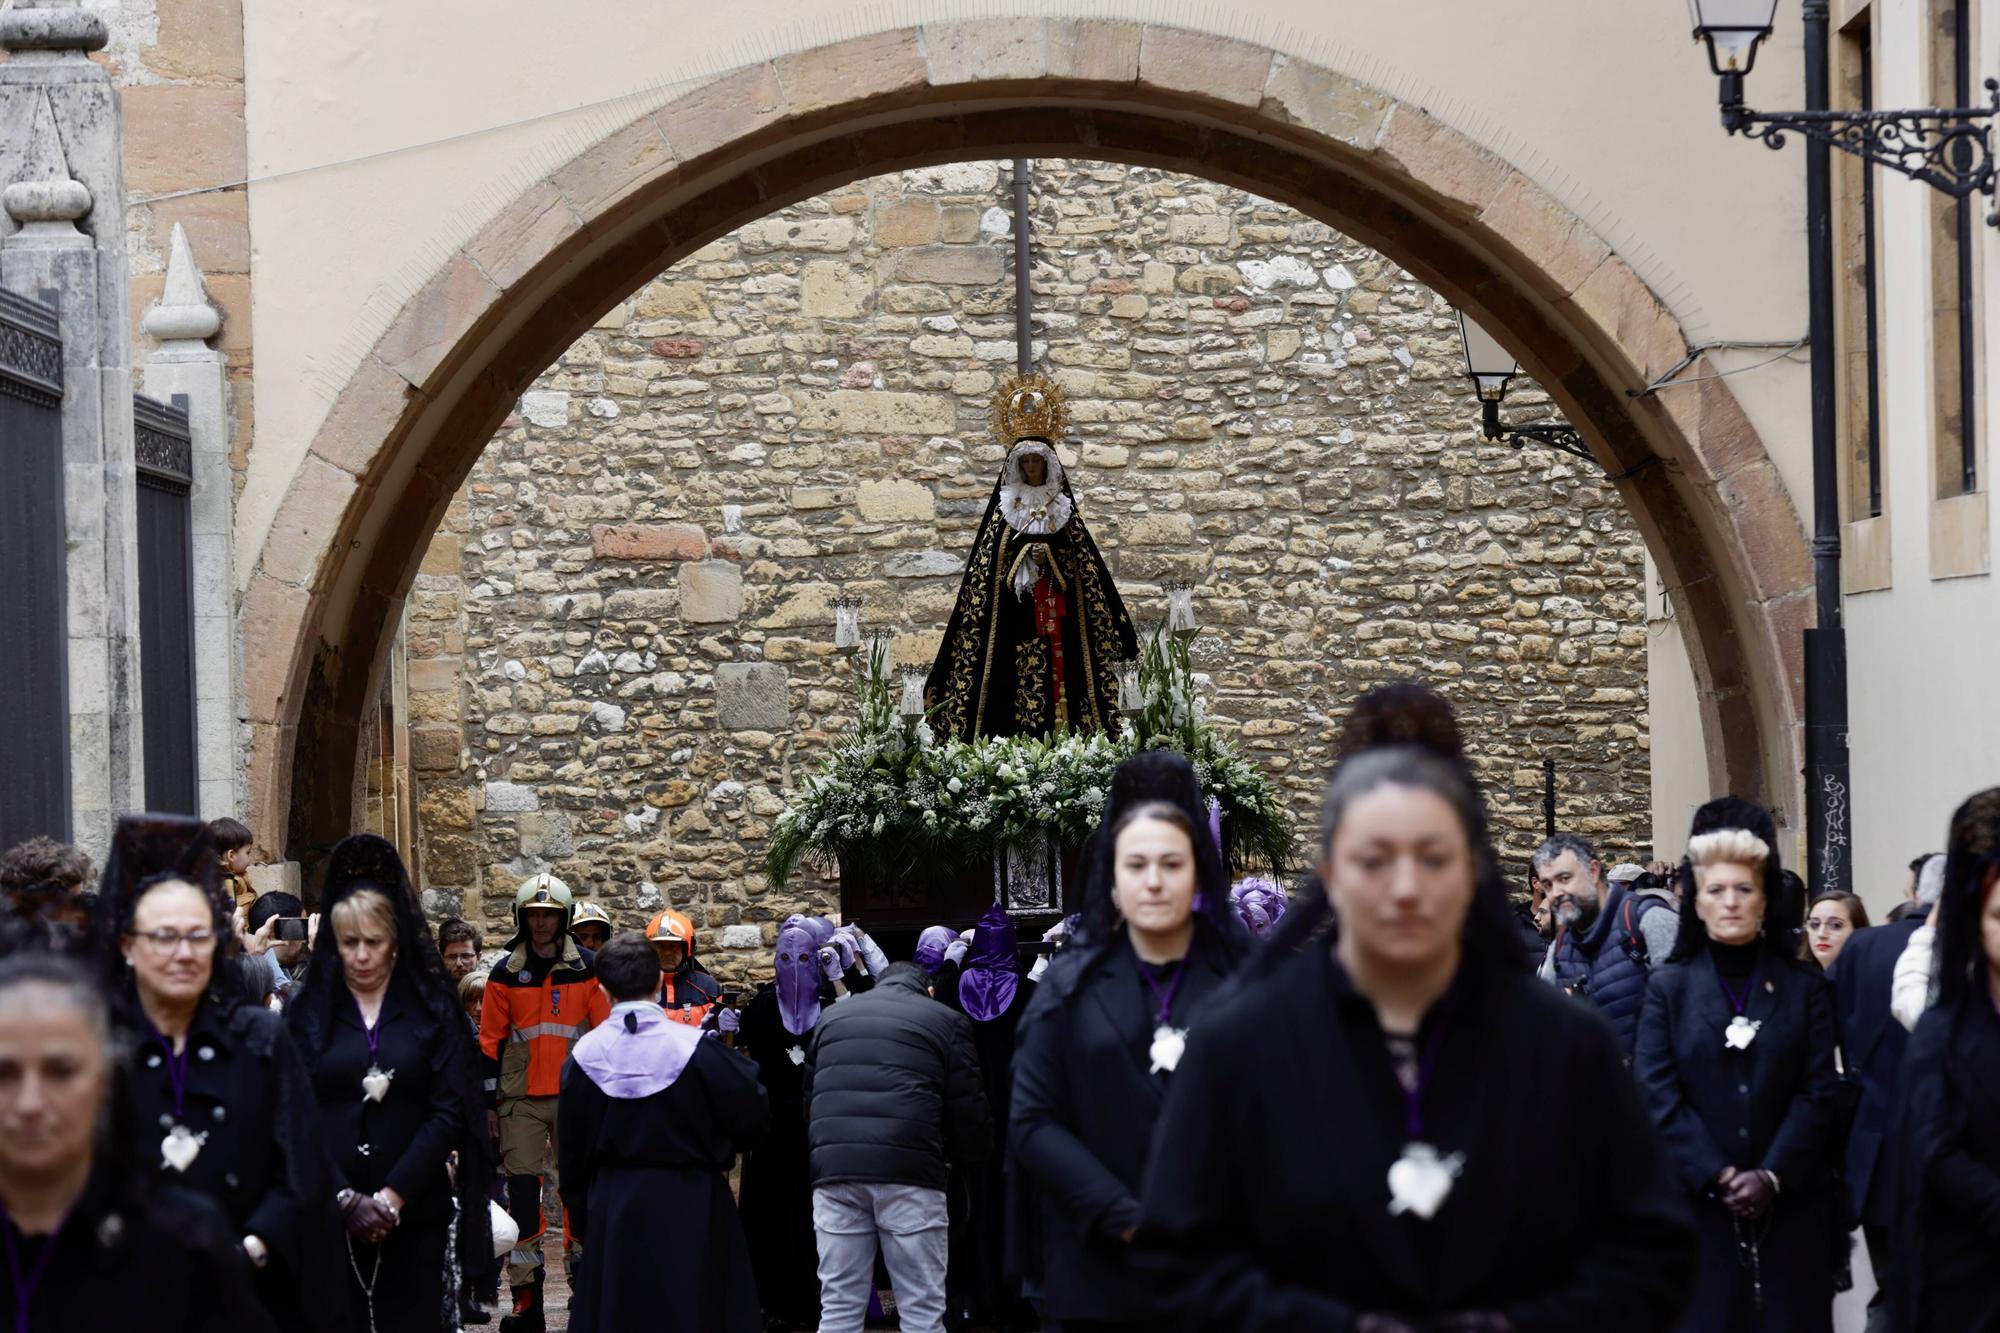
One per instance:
[(526, 1028)]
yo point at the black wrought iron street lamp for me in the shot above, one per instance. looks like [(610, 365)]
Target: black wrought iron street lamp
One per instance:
[(1490, 366), (1949, 148)]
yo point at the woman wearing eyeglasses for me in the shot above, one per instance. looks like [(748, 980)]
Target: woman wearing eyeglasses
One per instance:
[(224, 1105)]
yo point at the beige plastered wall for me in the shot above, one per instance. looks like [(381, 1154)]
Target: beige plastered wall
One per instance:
[(381, 134), (1924, 722)]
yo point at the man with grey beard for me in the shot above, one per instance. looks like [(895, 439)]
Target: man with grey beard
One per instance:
[(1600, 950)]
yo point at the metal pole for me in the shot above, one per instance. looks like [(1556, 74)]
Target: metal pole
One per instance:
[(1828, 829), (1548, 798), (1024, 345)]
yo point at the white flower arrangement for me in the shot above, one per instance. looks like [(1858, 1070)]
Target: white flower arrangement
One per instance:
[(884, 799)]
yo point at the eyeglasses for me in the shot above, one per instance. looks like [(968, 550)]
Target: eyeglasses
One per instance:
[(168, 942)]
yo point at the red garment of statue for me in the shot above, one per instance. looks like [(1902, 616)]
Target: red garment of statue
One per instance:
[(1050, 608)]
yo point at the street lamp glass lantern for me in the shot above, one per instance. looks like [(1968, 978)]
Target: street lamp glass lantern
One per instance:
[(1488, 364), (1733, 29)]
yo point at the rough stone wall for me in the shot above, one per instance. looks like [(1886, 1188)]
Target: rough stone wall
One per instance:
[(800, 409)]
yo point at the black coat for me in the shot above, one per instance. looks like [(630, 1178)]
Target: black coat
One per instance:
[(1953, 1185), (167, 1264), (1266, 1200), (892, 1090), (978, 1282), (644, 1181), (261, 1162), (1771, 1107), (1872, 1043), (1085, 1103), (776, 1192), (400, 1142)]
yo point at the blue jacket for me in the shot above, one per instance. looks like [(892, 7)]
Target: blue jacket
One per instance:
[(1608, 962)]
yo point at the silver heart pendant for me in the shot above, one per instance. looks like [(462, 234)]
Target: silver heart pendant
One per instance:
[(375, 1083), (180, 1147), (1420, 1181)]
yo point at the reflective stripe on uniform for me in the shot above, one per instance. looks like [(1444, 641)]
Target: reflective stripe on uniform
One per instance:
[(566, 1031)]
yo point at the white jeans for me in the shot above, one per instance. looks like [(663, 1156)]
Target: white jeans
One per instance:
[(910, 1224)]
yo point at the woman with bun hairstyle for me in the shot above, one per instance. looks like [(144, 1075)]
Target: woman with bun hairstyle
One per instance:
[(393, 1069), (1103, 1036), (1342, 1146), (94, 1240), (222, 1101), (1735, 1061), (1952, 1188)]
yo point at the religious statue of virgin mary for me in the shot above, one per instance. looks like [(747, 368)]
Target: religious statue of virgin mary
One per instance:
[(1034, 640)]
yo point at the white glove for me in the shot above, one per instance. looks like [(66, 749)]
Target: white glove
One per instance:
[(955, 951), (1041, 966), (871, 953)]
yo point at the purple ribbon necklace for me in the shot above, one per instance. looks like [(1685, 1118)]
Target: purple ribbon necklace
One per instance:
[(181, 1145), (25, 1284), (1420, 1180), (1169, 1042), (374, 1083), (1742, 1029)]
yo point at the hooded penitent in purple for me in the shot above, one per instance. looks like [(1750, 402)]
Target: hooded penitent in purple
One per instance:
[(798, 980), (1259, 902), (991, 973), (931, 946), (818, 927), (638, 1053)]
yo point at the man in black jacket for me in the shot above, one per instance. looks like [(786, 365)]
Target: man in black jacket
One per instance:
[(892, 1094), (1872, 1044)]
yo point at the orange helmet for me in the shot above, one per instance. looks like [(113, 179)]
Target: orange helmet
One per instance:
[(670, 926)]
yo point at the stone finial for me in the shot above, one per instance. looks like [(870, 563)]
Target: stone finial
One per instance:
[(52, 25), (183, 313), (46, 200)]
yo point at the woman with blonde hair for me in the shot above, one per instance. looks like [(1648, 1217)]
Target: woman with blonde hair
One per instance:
[(392, 1063), (1735, 1061)]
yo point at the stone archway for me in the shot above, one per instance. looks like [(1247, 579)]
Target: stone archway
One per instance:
[(404, 432)]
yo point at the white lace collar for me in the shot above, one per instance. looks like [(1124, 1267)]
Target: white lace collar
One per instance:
[(1035, 511)]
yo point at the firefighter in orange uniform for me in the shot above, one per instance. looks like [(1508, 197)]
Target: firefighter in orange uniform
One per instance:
[(687, 992), (539, 1001)]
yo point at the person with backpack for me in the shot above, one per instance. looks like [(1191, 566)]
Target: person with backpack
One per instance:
[(1600, 952)]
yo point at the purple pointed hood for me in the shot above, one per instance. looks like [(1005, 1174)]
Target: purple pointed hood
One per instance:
[(798, 979), (818, 927), (931, 946), (638, 1053), (991, 973)]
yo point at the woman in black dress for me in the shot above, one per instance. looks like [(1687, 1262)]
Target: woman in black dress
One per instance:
[(650, 1120), (379, 1025), (223, 1104), (1735, 1060), (1395, 1127), (1953, 1082), (776, 1194), (1104, 1034), (93, 1240)]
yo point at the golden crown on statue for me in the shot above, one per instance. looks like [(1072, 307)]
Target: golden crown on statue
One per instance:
[(1030, 406)]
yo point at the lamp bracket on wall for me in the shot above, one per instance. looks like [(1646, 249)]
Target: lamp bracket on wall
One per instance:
[(1948, 148), (1560, 438)]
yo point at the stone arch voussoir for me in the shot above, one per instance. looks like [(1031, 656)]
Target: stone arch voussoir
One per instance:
[(406, 428)]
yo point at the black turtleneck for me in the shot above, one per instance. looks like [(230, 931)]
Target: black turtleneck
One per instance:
[(1735, 962)]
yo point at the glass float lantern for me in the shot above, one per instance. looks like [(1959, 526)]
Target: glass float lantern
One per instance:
[(910, 708), (846, 625), (1180, 610), (1131, 698)]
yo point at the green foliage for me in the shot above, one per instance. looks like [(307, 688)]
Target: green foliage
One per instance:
[(886, 800)]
